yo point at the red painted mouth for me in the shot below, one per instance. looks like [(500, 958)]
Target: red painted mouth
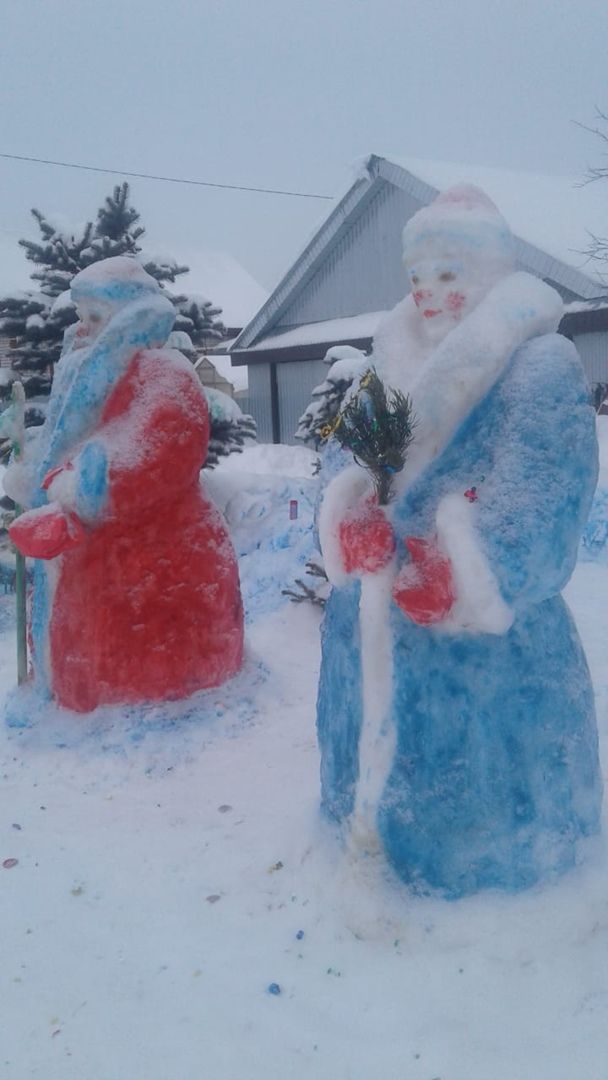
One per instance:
[(429, 313)]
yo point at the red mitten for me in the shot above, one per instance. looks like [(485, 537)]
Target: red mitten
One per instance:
[(367, 541), (424, 589), (47, 532)]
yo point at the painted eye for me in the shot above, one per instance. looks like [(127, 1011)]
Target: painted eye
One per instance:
[(415, 279), (447, 275)]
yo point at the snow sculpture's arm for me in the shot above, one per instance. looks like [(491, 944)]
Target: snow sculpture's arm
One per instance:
[(354, 534), (517, 545), (146, 454)]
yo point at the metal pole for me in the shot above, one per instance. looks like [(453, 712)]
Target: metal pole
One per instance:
[(18, 396), (20, 591)]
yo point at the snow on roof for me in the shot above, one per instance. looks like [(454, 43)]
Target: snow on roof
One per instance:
[(219, 277), (552, 216), (351, 328), (224, 347), (555, 213), (586, 305)]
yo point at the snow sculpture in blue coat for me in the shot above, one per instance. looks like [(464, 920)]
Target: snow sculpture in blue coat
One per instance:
[(455, 710)]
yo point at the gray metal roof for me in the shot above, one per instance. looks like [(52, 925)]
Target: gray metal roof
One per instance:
[(377, 173)]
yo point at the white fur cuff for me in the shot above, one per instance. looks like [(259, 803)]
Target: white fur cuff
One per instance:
[(479, 606), (342, 495), (62, 489)]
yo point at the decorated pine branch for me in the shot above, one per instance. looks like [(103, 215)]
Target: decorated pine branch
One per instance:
[(315, 594), (377, 426)]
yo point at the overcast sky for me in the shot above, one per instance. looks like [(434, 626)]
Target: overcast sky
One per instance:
[(282, 94)]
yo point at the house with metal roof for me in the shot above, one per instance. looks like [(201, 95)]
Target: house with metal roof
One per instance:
[(223, 280), (351, 272)]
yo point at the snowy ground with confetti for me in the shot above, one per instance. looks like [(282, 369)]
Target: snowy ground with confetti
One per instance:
[(172, 906)]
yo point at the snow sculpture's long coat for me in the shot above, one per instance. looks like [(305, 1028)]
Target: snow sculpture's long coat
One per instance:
[(495, 773), (147, 607)]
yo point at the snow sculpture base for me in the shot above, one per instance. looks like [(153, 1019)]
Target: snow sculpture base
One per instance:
[(41, 723)]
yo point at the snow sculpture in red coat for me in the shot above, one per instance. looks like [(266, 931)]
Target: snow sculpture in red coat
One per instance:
[(138, 597)]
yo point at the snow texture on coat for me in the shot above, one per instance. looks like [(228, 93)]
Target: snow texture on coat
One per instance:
[(147, 607), (495, 774)]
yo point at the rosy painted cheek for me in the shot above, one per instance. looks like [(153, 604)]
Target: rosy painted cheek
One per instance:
[(421, 295), (455, 302)]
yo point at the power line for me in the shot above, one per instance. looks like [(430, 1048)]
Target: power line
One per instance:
[(167, 179)]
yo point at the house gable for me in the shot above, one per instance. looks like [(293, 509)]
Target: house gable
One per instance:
[(353, 264), (363, 268), (351, 273)]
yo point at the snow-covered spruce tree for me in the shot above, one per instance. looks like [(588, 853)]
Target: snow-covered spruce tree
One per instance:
[(230, 428), (347, 364), (198, 318), (30, 317), (117, 230), (38, 319), (599, 395)]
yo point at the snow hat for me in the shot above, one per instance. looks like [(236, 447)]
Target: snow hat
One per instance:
[(461, 220), (115, 281)]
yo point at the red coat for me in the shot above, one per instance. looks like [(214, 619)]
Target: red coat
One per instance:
[(148, 606)]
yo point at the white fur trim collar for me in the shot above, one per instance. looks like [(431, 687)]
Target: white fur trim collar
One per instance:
[(479, 607), (461, 371)]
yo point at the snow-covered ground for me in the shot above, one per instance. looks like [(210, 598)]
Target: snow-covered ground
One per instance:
[(172, 866)]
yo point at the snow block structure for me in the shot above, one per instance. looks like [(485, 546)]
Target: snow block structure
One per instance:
[(455, 709), (136, 588)]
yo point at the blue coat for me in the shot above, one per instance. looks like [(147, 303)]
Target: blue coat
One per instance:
[(495, 775)]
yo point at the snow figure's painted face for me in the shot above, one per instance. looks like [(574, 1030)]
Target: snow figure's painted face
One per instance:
[(444, 291), (94, 315), (455, 251)]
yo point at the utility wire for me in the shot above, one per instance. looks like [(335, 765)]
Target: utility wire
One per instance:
[(167, 179)]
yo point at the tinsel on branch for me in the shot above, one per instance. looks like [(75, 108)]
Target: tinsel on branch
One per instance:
[(377, 426)]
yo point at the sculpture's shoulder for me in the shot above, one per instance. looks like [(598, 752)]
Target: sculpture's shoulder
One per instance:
[(551, 356), (159, 379), (165, 368), (548, 368), (164, 359)]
